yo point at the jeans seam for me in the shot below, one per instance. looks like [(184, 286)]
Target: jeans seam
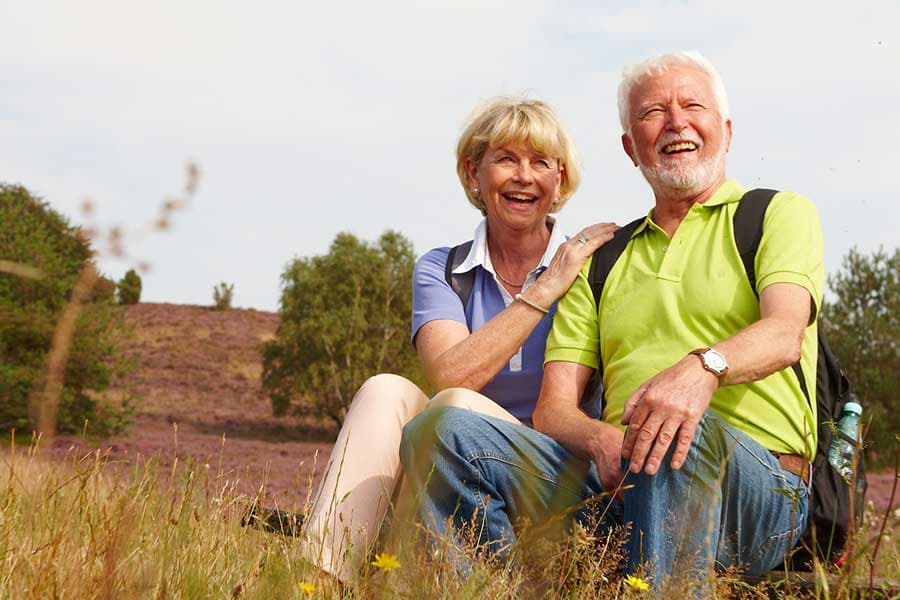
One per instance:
[(476, 456), (790, 534), (780, 475), (690, 487), (777, 472)]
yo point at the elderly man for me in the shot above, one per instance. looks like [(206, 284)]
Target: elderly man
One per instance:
[(704, 421)]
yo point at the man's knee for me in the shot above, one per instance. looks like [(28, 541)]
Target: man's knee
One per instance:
[(709, 452), (710, 442), (435, 430), (715, 441)]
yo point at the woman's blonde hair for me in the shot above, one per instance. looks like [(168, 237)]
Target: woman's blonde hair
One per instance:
[(504, 121)]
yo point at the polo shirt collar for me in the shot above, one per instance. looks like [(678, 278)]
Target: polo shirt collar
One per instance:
[(480, 257), (730, 191)]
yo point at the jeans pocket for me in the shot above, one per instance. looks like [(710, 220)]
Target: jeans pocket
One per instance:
[(772, 551)]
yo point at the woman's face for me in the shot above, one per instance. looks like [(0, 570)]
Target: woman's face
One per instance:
[(517, 184)]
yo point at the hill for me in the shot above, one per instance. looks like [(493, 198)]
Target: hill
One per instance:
[(199, 384)]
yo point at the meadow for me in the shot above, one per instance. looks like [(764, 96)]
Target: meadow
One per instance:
[(89, 526)]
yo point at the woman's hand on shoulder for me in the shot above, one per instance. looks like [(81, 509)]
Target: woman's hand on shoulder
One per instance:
[(570, 257)]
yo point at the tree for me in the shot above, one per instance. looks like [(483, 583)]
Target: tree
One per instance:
[(130, 288), (222, 296), (863, 326), (38, 237), (345, 316)]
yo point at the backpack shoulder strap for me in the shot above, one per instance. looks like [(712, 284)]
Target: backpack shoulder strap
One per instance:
[(748, 229), (606, 256), (462, 283), (601, 264)]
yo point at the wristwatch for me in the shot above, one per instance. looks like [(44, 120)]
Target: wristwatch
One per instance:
[(713, 361)]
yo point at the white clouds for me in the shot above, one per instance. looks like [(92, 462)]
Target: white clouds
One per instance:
[(160, 35), (310, 117)]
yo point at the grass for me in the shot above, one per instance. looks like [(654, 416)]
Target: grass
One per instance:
[(89, 528), (85, 527)]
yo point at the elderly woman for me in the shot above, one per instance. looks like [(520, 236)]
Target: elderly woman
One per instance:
[(482, 347)]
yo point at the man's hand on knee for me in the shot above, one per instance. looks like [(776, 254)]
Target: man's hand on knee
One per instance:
[(667, 407)]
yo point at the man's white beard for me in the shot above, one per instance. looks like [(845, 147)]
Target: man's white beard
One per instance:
[(675, 179)]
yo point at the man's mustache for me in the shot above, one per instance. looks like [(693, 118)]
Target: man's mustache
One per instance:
[(673, 138)]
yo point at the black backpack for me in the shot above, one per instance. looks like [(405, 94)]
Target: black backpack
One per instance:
[(830, 521)]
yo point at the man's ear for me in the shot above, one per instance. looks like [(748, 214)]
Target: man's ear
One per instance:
[(628, 146), (727, 135)]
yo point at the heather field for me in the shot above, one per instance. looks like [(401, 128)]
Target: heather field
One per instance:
[(156, 512)]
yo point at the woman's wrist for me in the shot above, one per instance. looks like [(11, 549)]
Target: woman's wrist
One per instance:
[(538, 294), (531, 304)]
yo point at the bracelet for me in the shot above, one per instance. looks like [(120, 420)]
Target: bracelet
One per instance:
[(522, 298)]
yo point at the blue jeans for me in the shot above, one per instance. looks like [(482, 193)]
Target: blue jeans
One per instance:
[(475, 471)]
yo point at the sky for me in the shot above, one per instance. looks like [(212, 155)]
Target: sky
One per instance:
[(307, 119)]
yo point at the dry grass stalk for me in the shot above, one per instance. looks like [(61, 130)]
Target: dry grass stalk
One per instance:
[(20, 270), (43, 404)]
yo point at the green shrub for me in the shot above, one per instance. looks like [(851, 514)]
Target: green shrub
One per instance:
[(222, 295), (863, 325), (33, 234), (130, 288), (344, 317)]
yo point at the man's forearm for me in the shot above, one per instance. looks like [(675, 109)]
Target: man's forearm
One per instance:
[(763, 348), (588, 439), (772, 343), (558, 416)]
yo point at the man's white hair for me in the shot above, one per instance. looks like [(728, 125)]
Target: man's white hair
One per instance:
[(632, 75)]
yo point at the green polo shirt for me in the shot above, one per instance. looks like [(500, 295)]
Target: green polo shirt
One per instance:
[(665, 297)]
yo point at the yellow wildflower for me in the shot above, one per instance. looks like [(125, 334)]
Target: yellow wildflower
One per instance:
[(306, 588), (386, 562), (636, 583)]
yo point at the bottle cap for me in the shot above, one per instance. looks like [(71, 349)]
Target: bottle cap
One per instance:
[(853, 407)]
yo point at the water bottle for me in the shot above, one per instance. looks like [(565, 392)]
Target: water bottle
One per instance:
[(842, 449)]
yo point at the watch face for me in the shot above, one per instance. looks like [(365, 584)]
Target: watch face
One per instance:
[(715, 361)]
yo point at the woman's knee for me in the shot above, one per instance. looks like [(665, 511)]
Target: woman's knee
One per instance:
[(389, 382), (472, 401), (456, 397), (385, 390)]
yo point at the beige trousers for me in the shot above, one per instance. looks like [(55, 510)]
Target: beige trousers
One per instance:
[(364, 468)]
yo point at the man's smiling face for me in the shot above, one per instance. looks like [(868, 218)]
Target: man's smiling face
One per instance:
[(676, 134)]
